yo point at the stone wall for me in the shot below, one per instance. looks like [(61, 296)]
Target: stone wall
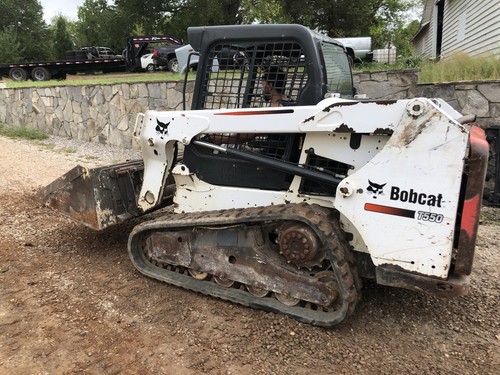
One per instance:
[(478, 98), (397, 84), (106, 113), (481, 98), (101, 113)]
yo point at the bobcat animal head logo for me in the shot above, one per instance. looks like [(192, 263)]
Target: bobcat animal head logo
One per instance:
[(162, 128), (375, 189)]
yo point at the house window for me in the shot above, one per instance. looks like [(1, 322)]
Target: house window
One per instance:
[(462, 19)]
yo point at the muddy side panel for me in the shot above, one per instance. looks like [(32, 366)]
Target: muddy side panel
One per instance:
[(98, 197)]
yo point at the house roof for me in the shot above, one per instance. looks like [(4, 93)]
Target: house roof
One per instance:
[(426, 17)]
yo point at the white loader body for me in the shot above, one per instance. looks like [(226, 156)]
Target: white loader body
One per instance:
[(400, 197)]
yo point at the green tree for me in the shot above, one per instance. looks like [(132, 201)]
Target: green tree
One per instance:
[(270, 11), (100, 24), (391, 25), (148, 16), (25, 21), (203, 13), (384, 20), (173, 17), (402, 38), (62, 37), (103, 24), (338, 18), (10, 48)]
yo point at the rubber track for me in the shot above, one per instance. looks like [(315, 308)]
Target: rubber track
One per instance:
[(323, 221)]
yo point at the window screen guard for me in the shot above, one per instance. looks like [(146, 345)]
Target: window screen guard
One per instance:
[(234, 73)]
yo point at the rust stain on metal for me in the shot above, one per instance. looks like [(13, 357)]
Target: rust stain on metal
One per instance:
[(86, 217), (89, 195), (346, 104), (393, 275), (208, 249), (383, 102), (344, 129), (343, 104)]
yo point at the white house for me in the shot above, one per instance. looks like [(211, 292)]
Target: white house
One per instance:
[(468, 26)]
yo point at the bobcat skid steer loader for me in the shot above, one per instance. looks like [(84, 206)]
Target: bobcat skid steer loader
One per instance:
[(287, 208)]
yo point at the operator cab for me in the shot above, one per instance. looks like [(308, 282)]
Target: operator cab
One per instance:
[(233, 60)]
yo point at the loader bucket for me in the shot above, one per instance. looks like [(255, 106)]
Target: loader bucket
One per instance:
[(97, 197)]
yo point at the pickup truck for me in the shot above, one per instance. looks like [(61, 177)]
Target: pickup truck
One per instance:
[(164, 56), (358, 49)]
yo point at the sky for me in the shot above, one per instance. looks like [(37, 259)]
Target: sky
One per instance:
[(68, 8)]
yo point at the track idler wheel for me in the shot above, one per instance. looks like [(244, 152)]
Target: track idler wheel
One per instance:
[(300, 246), (226, 283), (286, 300), (198, 275), (257, 291)]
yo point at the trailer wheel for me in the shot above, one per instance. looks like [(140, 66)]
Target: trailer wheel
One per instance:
[(40, 74), (18, 74)]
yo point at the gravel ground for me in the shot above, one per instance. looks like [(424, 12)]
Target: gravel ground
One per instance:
[(90, 151), (72, 303)]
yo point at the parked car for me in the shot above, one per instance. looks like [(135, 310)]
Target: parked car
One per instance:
[(99, 53), (230, 58), (147, 62), (225, 57), (164, 56)]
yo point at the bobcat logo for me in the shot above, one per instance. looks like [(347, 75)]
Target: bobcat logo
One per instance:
[(375, 189), (162, 128)]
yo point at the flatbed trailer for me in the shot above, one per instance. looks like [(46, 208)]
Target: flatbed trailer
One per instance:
[(47, 70), (87, 59)]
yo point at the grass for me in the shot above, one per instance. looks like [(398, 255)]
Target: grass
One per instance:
[(52, 147), (34, 135), (22, 133), (455, 68), (458, 67), (461, 67), (100, 78), (49, 146)]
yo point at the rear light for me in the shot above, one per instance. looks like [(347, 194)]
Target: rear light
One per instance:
[(155, 53)]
